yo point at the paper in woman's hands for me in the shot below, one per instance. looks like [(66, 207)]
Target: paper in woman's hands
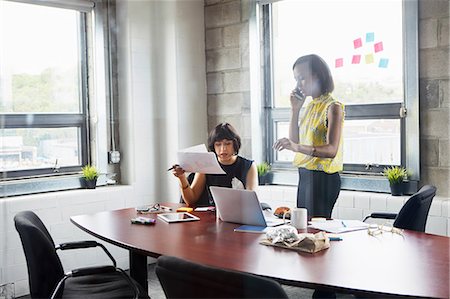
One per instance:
[(198, 159)]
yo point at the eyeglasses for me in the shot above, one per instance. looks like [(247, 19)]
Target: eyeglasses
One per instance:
[(156, 207), (376, 229)]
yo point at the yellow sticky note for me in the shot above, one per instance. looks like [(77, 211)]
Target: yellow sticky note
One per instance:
[(369, 58)]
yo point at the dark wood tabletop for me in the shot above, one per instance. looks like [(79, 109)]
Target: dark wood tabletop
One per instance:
[(414, 264)]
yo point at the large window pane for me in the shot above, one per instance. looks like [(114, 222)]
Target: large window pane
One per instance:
[(360, 40), (39, 59), (282, 130), (374, 141), (39, 148)]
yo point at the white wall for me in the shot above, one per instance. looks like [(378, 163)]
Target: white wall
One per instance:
[(162, 90), (162, 107)]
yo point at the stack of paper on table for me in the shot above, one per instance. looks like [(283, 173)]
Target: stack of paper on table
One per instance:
[(198, 159), (337, 226)]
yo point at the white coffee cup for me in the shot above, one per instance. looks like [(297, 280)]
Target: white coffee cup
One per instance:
[(299, 218)]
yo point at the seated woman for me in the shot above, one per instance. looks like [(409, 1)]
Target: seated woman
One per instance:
[(240, 172)]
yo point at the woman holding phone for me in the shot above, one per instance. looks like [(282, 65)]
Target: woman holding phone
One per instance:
[(316, 137)]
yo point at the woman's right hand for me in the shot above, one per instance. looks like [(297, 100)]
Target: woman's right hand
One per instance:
[(297, 98), (177, 170)]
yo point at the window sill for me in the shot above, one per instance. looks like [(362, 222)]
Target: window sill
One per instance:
[(362, 182), (45, 184)]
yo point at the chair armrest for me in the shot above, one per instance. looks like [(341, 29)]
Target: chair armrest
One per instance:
[(77, 245), (86, 244), (391, 216), (265, 206)]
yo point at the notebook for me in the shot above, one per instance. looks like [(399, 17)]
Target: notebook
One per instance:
[(241, 206)]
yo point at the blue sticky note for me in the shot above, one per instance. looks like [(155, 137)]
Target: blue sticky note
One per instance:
[(370, 37), (383, 62)]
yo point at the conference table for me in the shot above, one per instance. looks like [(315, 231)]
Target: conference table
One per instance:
[(413, 264)]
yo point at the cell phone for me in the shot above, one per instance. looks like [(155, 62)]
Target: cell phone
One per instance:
[(298, 93)]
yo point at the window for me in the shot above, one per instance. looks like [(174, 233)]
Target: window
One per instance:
[(45, 94), (367, 45), (43, 89)]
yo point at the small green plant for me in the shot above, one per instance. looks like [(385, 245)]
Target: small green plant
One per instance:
[(395, 174), (90, 173), (263, 168)]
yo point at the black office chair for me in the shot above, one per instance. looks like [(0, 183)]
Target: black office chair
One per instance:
[(45, 271), (183, 279), (413, 215)]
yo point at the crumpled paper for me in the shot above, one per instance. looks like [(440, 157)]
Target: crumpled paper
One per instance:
[(287, 237)]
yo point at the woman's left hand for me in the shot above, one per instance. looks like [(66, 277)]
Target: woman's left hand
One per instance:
[(284, 143)]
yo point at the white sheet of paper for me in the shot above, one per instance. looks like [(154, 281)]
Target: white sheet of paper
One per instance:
[(336, 226), (198, 159)]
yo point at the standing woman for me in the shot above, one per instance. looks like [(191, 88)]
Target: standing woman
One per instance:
[(240, 173), (317, 138)]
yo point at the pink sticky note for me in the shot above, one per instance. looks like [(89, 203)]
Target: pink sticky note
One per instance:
[(357, 43), (356, 59), (378, 47), (339, 62), (369, 58)]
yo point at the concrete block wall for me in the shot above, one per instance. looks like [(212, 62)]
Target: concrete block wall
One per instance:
[(434, 73), (227, 66), (357, 205), (228, 87)]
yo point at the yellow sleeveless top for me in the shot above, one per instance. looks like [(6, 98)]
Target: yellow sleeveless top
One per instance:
[(313, 131)]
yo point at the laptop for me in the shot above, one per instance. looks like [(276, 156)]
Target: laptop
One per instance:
[(241, 206)]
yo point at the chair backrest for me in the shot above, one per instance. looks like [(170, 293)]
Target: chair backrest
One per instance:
[(44, 266), (184, 279), (414, 213)]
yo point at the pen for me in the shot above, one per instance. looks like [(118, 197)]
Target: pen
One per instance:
[(172, 168), (165, 208), (343, 224), (335, 238)]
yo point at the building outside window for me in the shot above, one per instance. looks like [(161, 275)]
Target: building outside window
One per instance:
[(368, 46)]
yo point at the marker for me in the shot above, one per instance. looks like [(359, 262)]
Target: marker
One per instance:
[(343, 224), (335, 238)]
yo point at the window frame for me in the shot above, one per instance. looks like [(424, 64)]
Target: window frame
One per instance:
[(57, 120), (91, 121), (354, 176)]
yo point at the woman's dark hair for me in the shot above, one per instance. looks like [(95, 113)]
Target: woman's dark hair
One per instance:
[(318, 67), (221, 132)]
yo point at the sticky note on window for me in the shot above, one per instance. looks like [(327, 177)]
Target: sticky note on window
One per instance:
[(369, 58), (357, 43), (378, 47), (339, 62), (370, 37), (356, 59), (383, 63)]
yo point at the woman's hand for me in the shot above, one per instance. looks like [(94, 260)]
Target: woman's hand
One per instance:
[(297, 99), (284, 143), (177, 170)]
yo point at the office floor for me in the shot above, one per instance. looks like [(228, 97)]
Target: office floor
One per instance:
[(156, 292)]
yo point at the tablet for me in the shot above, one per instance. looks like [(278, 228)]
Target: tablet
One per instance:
[(177, 217)]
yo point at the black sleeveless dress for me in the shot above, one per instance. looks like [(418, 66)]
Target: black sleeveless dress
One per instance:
[(238, 170)]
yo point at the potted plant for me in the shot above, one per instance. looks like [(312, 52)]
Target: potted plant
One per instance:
[(90, 175), (263, 172), (396, 175)]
